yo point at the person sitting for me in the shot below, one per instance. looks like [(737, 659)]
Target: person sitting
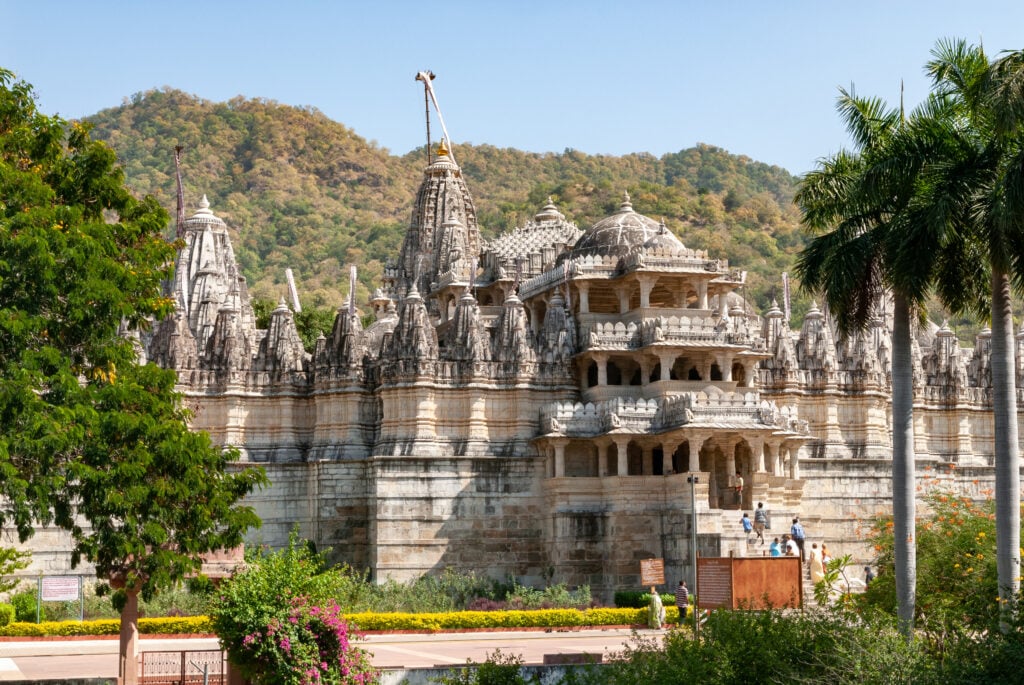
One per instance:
[(775, 549)]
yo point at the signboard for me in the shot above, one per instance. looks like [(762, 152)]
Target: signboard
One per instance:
[(60, 588), (652, 572), (714, 582)]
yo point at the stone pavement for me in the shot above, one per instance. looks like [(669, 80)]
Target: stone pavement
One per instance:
[(62, 659)]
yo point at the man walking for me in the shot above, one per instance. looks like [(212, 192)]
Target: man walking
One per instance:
[(797, 532), (760, 521), (682, 600)]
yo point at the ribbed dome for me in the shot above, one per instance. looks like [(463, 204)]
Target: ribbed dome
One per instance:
[(617, 234)]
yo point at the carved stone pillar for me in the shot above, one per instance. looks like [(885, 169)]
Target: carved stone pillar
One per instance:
[(696, 442), (559, 446), (668, 452), (702, 295), (602, 459), (759, 454), (602, 368), (770, 449), (584, 290), (645, 371), (622, 449), (646, 286), (623, 293), (750, 371), (666, 359), (725, 364), (794, 462)]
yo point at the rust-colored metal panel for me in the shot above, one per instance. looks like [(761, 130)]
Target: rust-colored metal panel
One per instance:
[(762, 582)]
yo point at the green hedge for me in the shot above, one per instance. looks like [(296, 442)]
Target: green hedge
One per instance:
[(456, 620)]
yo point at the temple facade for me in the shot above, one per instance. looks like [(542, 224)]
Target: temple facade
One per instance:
[(534, 406)]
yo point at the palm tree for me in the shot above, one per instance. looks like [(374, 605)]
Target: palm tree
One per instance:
[(987, 172), (848, 204)]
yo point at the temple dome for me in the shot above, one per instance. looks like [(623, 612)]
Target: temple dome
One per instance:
[(664, 241), (617, 234)]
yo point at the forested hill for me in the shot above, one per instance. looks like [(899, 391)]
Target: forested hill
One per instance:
[(302, 191)]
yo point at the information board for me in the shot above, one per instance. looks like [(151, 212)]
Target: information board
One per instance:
[(714, 582), (652, 572), (60, 588)]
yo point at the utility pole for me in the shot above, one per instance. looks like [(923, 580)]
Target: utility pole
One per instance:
[(692, 479)]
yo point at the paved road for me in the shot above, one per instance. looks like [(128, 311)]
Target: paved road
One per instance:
[(51, 659)]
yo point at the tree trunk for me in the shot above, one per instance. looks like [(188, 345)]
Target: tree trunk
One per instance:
[(903, 495), (1007, 455), (128, 654)]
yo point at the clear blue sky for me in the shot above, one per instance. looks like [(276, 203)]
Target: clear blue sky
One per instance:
[(756, 78)]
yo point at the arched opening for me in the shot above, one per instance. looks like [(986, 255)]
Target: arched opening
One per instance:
[(658, 461), (739, 374), (693, 374), (716, 372), (591, 374), (614, 374), (655, 373), (681, 458), (612, 463), (636, 378)]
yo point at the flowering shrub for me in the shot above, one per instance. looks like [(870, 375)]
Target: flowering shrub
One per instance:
[(957, 582), (280, 623), (313, 644)]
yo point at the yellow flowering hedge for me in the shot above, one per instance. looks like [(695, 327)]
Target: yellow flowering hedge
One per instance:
[(456, 620), (110, 626)]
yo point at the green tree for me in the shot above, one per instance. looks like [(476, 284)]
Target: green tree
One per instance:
[(11, 561), (846, 262), (89, 439), (984, 179)]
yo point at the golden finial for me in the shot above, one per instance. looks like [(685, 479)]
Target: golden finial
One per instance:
[(442, 149)]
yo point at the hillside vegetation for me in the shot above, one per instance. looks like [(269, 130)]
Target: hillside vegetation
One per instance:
[(302, 191)]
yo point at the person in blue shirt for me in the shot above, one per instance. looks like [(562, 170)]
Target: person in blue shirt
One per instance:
[(748, 525), (775, 549), (797, 533)]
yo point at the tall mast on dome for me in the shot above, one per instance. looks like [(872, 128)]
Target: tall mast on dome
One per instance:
[(427, 77), (430, 96)]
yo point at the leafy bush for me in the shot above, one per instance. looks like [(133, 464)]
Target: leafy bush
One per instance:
[(498, 669), (6, 614), (739, 647), (25, 607), (640, 599)]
